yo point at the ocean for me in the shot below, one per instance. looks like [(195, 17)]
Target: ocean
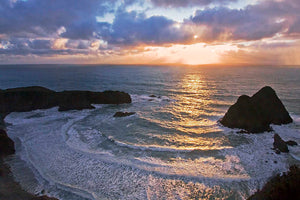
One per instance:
[(173, 147)]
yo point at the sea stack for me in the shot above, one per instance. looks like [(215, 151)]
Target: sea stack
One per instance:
[(255, 114)]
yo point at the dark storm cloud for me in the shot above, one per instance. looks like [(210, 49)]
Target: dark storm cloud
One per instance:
[(41, 17), (81, 30), (185, 3), (251, 23), (131, 28)]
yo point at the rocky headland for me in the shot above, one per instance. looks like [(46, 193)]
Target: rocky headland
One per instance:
[(31, 98)]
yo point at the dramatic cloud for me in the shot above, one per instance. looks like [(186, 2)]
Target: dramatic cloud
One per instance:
[(49, 28)]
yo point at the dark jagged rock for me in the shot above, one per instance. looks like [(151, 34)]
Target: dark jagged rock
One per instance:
[(280, 144), (255, 114), (270, 107), (280, 187), (123, 114), (32, 98), (291, 143), (74, 100), (6, 144)]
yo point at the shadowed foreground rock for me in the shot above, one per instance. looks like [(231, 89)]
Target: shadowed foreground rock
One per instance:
[(32, 98), (6, 144), (255, 114), (2, 123), (281, 187), (11, 190)]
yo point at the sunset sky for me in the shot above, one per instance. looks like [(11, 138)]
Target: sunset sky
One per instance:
[(150, 31)]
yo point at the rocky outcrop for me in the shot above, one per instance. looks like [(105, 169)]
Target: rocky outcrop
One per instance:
[(6, 144), (280, 144), (32, 98), (123, 114), (285, 186), (255, 114)]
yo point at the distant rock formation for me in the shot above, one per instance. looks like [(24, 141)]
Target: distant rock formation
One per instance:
[(31, 98), (280, 144), (255, 114), (123, 114), (6, 144), (285, 186)]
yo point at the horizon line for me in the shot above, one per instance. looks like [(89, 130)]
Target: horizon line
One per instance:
[(163, 64)]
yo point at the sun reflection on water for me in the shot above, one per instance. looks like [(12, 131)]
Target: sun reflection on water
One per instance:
[(192, 109)]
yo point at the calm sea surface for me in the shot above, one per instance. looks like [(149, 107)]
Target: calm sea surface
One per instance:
[(172, 148)]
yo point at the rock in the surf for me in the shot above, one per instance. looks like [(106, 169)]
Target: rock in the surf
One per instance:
[(280, 144), (123, 114), (255, 114), (6, 144), (291, 143)]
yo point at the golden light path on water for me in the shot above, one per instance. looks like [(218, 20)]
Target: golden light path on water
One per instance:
[(192, 128)]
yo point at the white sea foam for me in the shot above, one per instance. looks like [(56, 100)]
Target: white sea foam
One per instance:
[(66, 155), (296, 119)]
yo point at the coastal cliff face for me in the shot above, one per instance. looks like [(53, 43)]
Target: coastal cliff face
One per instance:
[(32, 98), (255, 114), (6, 144)]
